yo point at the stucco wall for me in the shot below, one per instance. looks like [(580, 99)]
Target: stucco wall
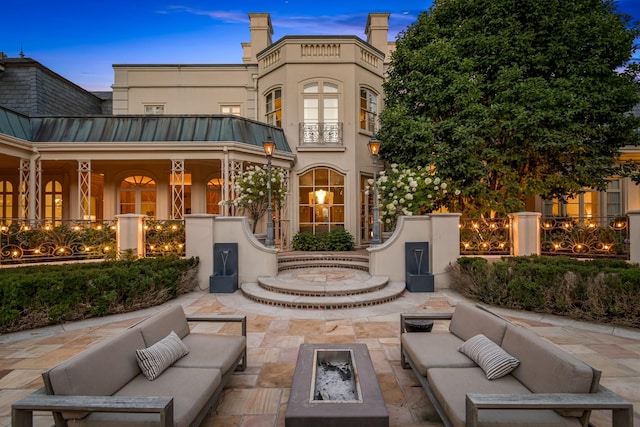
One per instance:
[(254, 259)]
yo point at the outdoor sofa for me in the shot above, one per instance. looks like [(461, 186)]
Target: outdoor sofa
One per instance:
[(534, 383), (106, 386)]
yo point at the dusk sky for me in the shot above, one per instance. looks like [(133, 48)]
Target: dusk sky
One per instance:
[(81, 40)]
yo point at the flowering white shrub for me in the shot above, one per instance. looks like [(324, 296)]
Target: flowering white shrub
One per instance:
[(252, 193), (407, 191)]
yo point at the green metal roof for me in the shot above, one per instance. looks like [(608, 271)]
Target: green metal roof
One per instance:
[(14, 124), (140, 128)]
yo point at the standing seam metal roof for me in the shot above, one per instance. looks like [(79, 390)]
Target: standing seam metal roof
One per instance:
[(140, 129)]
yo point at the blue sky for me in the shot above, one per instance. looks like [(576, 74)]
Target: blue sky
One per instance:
[(80, 40)]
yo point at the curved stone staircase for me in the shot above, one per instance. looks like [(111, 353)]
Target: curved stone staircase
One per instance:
[(326, 280)]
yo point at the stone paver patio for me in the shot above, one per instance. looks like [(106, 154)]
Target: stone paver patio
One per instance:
[(258, 397)]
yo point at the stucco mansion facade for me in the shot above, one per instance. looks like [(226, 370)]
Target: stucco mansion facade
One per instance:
[(170, 139)]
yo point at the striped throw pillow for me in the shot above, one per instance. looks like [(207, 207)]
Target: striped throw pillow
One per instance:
[(155, 359), (494, 361)]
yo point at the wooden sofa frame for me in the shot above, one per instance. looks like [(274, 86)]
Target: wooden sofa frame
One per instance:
[(22, 410), (601, 399)]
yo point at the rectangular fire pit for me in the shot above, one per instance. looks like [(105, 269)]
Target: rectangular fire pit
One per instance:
[(335, 385)]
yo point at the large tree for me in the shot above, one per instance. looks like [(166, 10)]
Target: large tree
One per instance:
[(513, 98)]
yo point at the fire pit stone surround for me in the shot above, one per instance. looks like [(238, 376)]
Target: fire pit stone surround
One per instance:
[(367, 410)]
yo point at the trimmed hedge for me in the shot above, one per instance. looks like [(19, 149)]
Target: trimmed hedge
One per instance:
[(335, 240), (36, 296), (602, 290)]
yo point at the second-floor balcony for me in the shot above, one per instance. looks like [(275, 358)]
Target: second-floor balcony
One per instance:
[(321, 134)]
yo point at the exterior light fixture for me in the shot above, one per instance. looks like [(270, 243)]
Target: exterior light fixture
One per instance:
[(374, 150), (268, 147)]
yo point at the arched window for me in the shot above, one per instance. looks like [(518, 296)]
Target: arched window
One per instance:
[(321, 113), (273, 107), (6, 200), (138, 195), (368, 110), (53, 201), (321, 204)]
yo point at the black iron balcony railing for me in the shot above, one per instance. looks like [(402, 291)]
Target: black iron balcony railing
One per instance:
[(485, 236), (585, 237), (321, 133), (43, 241), (164, 238)]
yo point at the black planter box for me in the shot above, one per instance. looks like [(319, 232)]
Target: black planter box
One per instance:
[(420, 282), (220, 284)]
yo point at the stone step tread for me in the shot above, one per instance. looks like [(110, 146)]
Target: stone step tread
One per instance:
[(388, 293), (312, 263), (290, 284), (316, 254), (286, 258)]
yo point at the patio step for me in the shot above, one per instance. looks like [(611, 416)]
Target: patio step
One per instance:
[(357, 260), (323, 280), (256, 293)]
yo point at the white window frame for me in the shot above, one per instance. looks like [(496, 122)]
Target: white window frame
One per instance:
[(154, 109), (368, 112), (273, 111), (231, 109)]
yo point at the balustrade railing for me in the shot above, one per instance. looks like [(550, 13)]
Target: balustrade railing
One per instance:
[(485, 236), (41, 241), (164, 238), (321, 133), (585, 237)]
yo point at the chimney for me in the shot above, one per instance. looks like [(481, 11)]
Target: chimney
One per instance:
[(377, 31), (261, 32)]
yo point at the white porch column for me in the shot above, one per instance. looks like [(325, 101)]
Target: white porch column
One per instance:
[(177, 189), (634, 236), (84, 189), (35, 184), (29, 188), (225, 181), (525, 227), (236, 168), (130, 233)]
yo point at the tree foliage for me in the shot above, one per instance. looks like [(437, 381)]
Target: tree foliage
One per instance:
[(511, 99)]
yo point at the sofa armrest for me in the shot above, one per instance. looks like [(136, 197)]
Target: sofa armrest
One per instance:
[(220, 318), (602, 400), (422, 316), (22, 410)]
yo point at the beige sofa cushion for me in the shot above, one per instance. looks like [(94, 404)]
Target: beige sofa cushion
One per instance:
[(100, 370), (451, 385), (189, 387), (434, 350), (212, 351), (544, 368), (161, 324), (469, 320)]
